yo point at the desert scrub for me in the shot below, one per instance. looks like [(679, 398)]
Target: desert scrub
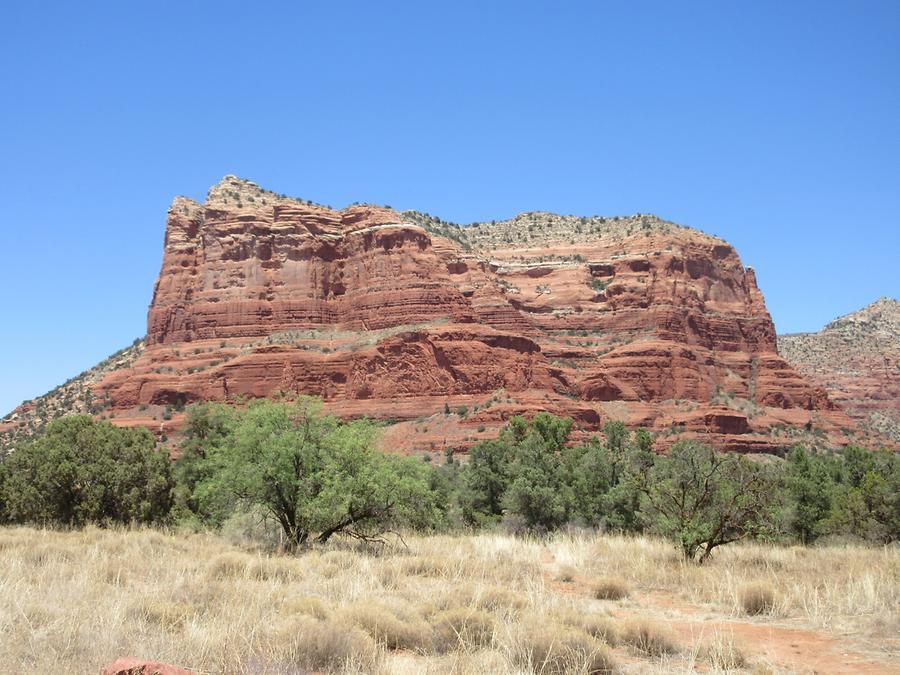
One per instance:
[(722, 653), (389, 627), (610, 588), (756, 598), (463, 629), (549, 648), (649, 637), (329, 646)]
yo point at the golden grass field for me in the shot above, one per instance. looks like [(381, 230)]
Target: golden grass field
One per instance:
[(71, 602)]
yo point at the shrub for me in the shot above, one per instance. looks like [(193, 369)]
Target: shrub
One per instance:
[(601, 627), (463, 628), (551, 649), (387, 628), (85, 471), (722, 653), (229, 565), (329, 646), (275, 568), (649, 637), (757, 598), (610, 588), (307, 605)]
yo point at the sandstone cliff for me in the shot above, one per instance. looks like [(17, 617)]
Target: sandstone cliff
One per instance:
[(856, 358), (404, 317)]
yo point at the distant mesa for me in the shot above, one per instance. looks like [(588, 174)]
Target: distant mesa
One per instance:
[(856, 358), (446, 330)]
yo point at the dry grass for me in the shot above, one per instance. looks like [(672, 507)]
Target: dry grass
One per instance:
[(649, 637), (610, 588), (757, 598), (722, 653), (71, 602)]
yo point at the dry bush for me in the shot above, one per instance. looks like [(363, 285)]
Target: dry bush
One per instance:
[(275, 569), (388, 627), (489, 598), (610, 588), (649, 637), (463, 629), (723, 654), (426, 566), (228, 565), (307, 605), (757, 598), (329, 646), (164, 614), (496, 599), (549, 648), (596, 625)]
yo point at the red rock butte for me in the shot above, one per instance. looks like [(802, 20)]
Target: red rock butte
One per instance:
[(401, 316)]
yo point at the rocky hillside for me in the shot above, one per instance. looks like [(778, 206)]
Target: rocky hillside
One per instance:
[(75, 396), (447, 330), (857, 359)]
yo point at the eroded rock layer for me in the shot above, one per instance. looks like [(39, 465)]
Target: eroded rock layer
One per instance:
[(856, 358), (449, 330)]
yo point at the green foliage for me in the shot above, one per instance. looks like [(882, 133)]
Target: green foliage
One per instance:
[(84, 471), (313, 475), (868, 503), (531, 474), (704, 499), (810, 490)]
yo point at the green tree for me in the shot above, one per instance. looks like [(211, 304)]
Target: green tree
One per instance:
[(868, 504), (810, 489), (603, 477), (521, 472), (208, 425), (704, 499), (315, 476), (539, 492), (486, 478), (85, 471)]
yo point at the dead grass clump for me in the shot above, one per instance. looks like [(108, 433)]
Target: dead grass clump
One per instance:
[(47, 553), (388, 628), (228, 565), (601, 627), (488, 598), (723, 654), (160, 613), (307, 605), (548, 648), (566, 574), (275, 569), (757, 598), (463, 629), (610, 588), (496, 599), (649, 637), (329, 646), (425, 566)]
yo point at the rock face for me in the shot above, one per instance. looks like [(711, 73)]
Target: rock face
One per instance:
[(448, 330), (856, 358), (132, 666)]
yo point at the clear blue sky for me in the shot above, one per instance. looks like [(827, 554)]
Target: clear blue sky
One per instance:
[(775, 125)]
